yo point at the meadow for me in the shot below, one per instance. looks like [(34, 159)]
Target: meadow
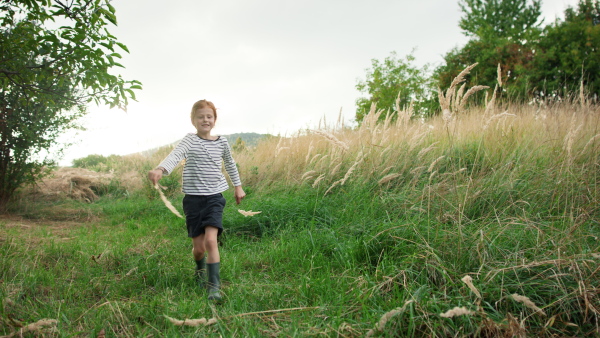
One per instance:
[(480, 222)]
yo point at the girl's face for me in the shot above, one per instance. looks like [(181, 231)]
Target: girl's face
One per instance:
[(204, 121)]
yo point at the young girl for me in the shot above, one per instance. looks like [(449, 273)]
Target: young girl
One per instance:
[(203, 183)]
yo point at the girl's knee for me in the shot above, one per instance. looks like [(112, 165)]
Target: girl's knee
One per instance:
[(211, 243)]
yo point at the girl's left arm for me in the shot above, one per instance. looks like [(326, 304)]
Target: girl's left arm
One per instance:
[(233, 173)]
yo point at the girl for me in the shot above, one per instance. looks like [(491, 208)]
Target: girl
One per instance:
[(203, 184)]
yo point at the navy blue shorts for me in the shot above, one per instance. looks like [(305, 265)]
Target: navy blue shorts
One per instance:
[(203, 211)]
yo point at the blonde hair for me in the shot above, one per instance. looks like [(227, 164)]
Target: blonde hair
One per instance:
[(203, 104)]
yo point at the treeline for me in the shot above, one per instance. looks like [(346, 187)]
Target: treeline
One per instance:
[(516, 55)]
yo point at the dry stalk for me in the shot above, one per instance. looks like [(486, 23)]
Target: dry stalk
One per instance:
[(322, 159), (461, 77), (333, 185), (499, 73), (470, 92), (527, 302), (385, 151), (308, 175), (589, 142), (432, 165), (491, 104), (386, 317), (370, 120), (432, 175), (570, 137), (192, 322), (279, 150), (458, 97), (384, 171), (388, 178), (497, 116), (39, 326), (359, 159), (335, 169), (469, 281), (417, 170), (166, 202), (582, 99), (249, 212), (417, 139), (272, 311), (310, 148), (404, 115), (426, 150), (331, 138), (457, 311), (318, 180), (446, 100), (314, 158)]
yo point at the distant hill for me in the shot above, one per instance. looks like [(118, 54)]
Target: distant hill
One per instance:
[(251, 139)]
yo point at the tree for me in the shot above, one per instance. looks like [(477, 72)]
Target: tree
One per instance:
[(569, 52), (393, 79), (492, 19), (55, 58), (504, 32)]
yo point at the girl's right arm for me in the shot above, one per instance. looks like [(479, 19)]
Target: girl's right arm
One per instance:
[(171, 161), (155, 175)]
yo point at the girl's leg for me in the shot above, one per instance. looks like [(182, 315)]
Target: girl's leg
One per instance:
[(199, 252), (199, 248), (211, 244), (213, 263)]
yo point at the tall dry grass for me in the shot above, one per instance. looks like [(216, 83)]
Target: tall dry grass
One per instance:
[(526, 153), (507, 193)]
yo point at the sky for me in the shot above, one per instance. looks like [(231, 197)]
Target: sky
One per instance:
[(269, 66)]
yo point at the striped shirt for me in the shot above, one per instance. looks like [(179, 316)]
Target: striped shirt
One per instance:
[(202, 174)]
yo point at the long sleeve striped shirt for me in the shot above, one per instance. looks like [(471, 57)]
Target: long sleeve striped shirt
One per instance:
[(202, 174)]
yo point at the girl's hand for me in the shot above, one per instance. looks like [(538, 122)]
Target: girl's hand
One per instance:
[(239, 194), (155, 175)]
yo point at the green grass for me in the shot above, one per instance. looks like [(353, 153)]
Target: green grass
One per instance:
[(516, 208), (307, 265)]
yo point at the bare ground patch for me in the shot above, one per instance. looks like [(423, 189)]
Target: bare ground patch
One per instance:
[(24, 226)]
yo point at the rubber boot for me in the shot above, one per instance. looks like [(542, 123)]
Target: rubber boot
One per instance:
[(214, 282), (200, 273)]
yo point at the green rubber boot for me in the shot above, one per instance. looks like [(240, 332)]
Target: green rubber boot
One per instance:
[(200, 273), (214, 282)]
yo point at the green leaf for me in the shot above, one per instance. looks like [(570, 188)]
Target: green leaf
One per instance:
[(123, 47)]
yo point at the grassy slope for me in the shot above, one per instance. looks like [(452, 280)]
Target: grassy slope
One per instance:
[(511, 201)]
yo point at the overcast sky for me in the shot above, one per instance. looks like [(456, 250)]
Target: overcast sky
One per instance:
[(270, 66)]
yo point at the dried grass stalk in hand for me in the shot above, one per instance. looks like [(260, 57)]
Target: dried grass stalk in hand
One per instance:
[(166, 202)]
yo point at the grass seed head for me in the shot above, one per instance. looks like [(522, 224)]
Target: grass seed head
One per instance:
[(457, 311), (388, 178), (527, 302)]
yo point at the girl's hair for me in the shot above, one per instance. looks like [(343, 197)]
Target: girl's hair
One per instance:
[(203, 104)]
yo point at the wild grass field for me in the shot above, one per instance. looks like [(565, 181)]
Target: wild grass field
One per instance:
[(481, 222)]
